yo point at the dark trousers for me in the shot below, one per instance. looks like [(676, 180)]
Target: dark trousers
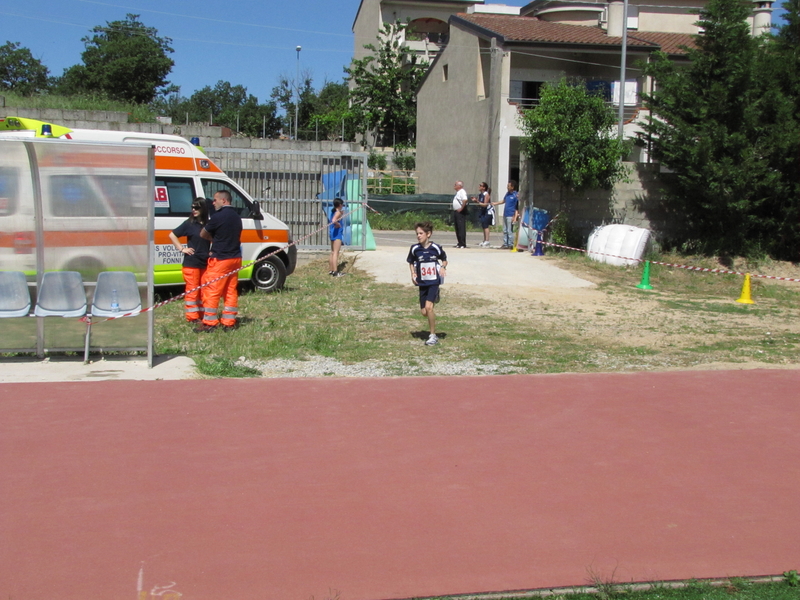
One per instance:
[(461, 227)]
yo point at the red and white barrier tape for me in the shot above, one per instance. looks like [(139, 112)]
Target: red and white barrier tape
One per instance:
[(220, 278), (675, 265)]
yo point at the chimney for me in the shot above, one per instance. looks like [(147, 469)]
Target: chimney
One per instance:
[(762, 17), (615, 16)]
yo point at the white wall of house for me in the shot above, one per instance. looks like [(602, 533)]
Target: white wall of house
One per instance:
[(665, 19), (366, 26)]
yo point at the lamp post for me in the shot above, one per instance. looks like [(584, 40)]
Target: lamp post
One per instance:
[(623, 60), (297, 91)]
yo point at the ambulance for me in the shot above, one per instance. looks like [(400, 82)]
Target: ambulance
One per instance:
[(182, 173)]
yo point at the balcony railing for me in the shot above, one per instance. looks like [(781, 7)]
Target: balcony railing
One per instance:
[(628, 114)]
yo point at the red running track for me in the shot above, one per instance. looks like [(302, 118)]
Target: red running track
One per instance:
[(393, 488)]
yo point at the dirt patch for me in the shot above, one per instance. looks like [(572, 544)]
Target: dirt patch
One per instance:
[(676, 329)]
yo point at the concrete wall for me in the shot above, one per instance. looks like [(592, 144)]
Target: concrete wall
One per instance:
[(453, 143), (665, 19), (634, 202)]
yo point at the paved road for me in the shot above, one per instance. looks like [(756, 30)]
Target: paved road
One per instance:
[(394, 488), (471, 266)]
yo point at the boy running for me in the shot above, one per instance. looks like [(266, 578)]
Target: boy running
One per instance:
[(424, 260)]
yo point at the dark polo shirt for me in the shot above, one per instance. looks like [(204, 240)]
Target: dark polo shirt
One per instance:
[(225, 227)]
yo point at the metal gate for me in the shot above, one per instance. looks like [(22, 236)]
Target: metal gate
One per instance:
[(298, 187)]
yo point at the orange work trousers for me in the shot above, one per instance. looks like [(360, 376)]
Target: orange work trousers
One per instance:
[(192, 277), (225, 288)]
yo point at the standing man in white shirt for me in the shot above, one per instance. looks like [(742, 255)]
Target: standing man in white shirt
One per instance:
[(460, 201)]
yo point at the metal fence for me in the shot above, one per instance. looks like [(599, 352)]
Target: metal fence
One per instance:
[(298, 187)]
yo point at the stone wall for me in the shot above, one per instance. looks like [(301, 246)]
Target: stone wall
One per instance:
[(632, 202), (210, 135)]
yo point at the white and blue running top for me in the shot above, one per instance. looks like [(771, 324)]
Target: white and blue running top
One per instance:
[(426, 262)]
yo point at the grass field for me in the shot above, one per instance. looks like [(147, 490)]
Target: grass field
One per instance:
[(688, 320), (733, 589), (137, 113)]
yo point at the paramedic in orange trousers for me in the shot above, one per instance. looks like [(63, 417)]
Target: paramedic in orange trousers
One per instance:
[(224, 231)]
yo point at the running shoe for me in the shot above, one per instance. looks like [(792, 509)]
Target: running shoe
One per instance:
[(432, 340)]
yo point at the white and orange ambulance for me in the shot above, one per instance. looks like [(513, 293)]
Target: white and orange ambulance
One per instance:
[(182, 173)]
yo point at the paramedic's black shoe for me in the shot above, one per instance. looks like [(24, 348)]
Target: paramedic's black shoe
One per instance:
[(203, 328)]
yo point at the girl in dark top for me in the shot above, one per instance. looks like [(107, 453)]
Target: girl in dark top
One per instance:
[(486, 216), (195, 256)]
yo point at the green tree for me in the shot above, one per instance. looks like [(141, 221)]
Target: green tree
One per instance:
[(284, 96), (383, 99), (125, 60), (570, 136), (20, 72), (778, 133), (726, 126), (231, 106), (332, 117)]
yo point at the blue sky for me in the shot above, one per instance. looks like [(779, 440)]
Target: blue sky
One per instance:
[(245, 42)]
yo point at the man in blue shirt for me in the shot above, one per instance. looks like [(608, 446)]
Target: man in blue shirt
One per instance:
[(224, 231), (510, 214)]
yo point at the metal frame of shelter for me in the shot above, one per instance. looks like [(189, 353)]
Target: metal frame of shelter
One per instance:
[(85, 207)]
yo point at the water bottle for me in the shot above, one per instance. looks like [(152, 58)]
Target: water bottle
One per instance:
[(114, 301)]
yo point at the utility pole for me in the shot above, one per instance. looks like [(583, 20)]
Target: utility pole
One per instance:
[(494, 107), (297, 91), (623, 59)]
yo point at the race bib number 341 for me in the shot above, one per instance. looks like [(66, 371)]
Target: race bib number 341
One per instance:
[(429, 271)]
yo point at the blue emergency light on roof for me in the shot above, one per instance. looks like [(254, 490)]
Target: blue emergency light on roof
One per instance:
[(195, 141), (47, 130)]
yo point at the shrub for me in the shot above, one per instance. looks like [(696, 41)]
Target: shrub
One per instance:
[(376, 161)]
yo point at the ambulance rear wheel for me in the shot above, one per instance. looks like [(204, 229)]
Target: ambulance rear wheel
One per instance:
[(269, 275)]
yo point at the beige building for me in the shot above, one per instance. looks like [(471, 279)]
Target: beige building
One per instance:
[(428, 29), (494, 65)]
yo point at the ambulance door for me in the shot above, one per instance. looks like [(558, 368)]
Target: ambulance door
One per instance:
[(173, 205)]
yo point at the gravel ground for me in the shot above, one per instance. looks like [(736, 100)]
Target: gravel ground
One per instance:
[(321, 366)]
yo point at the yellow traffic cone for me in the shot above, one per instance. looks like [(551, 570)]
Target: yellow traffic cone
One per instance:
[(745, 297)]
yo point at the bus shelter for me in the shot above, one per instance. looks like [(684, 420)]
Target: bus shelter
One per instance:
[(81, 211)]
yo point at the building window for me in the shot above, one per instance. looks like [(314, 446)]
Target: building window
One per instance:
[(633, 17), (445, 73), (428, 30), (524, 93)]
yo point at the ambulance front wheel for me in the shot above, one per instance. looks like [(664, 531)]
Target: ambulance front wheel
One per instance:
[(269, 275)]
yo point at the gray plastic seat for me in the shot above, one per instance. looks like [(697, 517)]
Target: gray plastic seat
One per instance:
[(61, 295), (124, 286), (15, 298), (127, 289)]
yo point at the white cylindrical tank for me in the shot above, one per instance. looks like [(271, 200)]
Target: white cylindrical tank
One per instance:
[(619, 245)]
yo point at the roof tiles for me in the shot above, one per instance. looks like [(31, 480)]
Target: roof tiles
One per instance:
[(532, 30)]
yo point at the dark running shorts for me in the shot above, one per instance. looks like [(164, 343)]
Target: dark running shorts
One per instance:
[(486, 221), (428, 293)]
